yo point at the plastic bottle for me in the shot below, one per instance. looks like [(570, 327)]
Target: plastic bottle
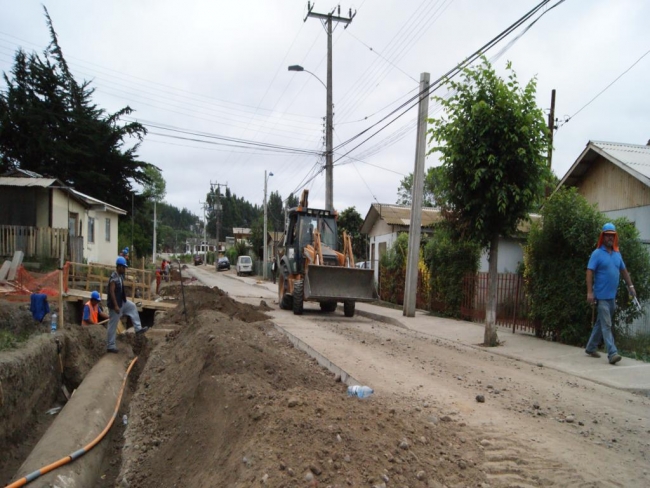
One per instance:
[(360, 391), (53, 323), (125, 419)]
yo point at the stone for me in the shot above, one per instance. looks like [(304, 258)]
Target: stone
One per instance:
[(480, 398)]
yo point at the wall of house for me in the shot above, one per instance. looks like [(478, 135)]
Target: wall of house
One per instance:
[(612, 188), (18, 206), (639, 215), (511, 253), (43, 207), (61, 205), (102, 250)]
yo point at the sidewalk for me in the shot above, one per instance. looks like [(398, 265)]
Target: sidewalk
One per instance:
[(629, 374)]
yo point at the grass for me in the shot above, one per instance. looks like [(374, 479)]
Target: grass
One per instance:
[(9, 340), (634, 346)]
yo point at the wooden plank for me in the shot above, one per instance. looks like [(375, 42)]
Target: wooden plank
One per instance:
[(4, 271), (15, 263)]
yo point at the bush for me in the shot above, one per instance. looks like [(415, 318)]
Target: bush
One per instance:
[(449, 259)]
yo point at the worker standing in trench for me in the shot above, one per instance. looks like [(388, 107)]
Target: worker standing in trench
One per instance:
[(118, 306), (93, 312)]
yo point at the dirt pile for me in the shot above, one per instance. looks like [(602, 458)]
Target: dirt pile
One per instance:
[(199, 298), (230, 403)]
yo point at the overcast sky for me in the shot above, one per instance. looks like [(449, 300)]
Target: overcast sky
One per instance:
[(220, 68)]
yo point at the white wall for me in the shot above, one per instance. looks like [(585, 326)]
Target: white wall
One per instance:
[(511, 253), (639, 215), (61, 205), (101, 251)]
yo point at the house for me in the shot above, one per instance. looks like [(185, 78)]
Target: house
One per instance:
[(242, 234), (39, 213), (384, 222), (615, 177)]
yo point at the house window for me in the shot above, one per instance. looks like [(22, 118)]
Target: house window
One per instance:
[(108, 230), (91, 229)]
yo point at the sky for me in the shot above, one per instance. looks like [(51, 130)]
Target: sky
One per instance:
[(201, 71)]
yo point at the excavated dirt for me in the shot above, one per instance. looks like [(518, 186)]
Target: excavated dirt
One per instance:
[(227, 402)]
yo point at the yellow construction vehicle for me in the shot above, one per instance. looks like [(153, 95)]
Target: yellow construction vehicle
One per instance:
[(310, 267)]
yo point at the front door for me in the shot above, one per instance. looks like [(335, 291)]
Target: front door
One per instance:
[(73, 220)]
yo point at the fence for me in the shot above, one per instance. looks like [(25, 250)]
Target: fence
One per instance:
[(512, 303), (42, 242), (139, 283)]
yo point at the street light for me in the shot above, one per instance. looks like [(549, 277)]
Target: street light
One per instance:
[(329, 176), (265, 248)]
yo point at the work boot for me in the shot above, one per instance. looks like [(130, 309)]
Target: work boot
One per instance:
[(114, 350), (615, 359), (593, 354), (142, 330)]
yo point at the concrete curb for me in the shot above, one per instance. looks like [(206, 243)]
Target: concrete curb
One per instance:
[(380, 318), (322, 360)]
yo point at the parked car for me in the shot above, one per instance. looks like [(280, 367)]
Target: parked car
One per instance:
[(223, 263), (244, 265), (198, 259)]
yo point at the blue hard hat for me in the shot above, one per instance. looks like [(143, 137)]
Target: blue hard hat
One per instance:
[(126, 250), (121, 262), (95, 296), (609, 227)]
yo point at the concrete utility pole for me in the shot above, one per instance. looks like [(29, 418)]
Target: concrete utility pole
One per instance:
[(329, 123), (216, 206), (205, 206), (551, 128), (265, 248), (155, 225), (411, 285)]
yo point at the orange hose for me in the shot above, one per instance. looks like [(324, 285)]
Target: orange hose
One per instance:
[(77, 454)]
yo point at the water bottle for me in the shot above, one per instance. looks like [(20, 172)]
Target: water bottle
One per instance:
[(53, 323), (360, 391), (125, 419)]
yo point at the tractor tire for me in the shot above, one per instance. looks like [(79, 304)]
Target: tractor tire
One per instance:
[(327, 307), (298, 296), (284, 299), (348, 309)]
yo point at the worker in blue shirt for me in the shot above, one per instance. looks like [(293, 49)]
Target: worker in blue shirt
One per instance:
[(603, 275)]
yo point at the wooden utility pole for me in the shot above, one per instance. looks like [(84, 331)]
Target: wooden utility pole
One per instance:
[(551, 128), (329, 124), (411, 285)]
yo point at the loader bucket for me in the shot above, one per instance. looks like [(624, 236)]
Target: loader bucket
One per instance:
[(337, 283)]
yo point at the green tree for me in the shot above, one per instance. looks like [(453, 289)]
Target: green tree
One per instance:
[(432, 188), (492, 144), (351, 221), (275, 212), (49, 125), (257, 236), (556, 256), (292, 201)]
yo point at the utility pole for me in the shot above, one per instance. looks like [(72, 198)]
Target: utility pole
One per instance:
[(551, 128), (216, 206), (411, 285), (205, 206), (153, 256), (328, 19), (265, 249)]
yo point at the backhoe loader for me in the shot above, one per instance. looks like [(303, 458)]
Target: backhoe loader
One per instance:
[(310, 267)]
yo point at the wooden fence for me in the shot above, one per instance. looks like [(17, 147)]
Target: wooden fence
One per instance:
[(42, 242), (138, 283)]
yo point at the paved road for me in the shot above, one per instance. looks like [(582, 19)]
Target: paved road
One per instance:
[(541, 425)]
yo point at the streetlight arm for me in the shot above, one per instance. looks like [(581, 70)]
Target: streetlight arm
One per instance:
[(300, 68)]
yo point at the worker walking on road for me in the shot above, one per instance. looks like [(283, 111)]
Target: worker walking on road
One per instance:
[(603, 275), (118, 305), (93, 312)]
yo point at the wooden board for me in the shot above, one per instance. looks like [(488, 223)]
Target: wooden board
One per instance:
[(4, 271), (15, 263), (74, 295)]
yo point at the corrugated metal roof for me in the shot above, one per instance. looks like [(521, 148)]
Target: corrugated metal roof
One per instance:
[(633, 155), (18, 181), (401, 214), (94, 201)]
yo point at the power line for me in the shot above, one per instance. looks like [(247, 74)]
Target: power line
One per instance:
[(605, 89)]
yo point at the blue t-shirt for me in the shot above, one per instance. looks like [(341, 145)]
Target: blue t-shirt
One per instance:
[(607, 272)]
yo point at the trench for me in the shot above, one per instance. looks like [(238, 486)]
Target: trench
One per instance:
[(33, 378)]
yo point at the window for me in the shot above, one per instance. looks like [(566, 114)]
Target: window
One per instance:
[(108, 230), (91, 229)]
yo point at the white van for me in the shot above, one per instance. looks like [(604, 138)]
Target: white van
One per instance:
[(244, 265)]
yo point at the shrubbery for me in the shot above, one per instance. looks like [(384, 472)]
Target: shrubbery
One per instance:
[(449, 259)]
